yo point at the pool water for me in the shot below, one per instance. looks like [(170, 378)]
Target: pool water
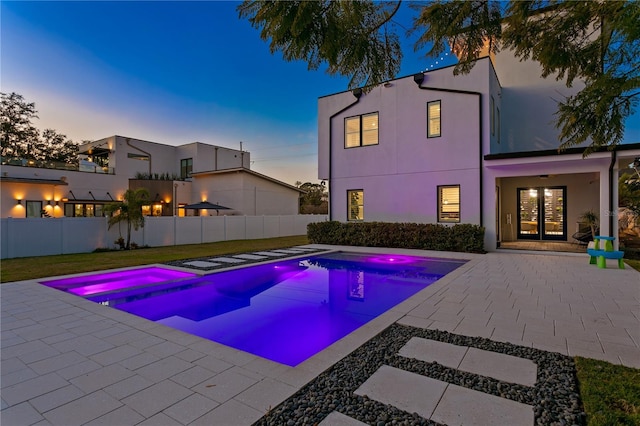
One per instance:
[(285, 311)]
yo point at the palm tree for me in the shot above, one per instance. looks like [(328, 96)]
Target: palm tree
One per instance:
[(590, 218), (128, 210)]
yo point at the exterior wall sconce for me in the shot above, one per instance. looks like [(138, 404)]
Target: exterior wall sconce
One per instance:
[(48, 202), (57, 203), (19, 202)]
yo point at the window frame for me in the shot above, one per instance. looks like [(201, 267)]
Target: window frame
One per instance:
[(28, 207), (492, 123), (441, 213), (360, 205), (186, 166), (361, 130), (429, 119), (498, 124)]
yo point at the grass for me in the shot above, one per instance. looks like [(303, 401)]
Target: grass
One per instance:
[(25, 268), (610, 393), (634, 263)]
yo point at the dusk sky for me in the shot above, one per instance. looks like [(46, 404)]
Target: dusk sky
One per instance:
[(173, 73), (168, 72)]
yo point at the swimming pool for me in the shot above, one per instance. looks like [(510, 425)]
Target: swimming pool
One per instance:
[(285, 311)]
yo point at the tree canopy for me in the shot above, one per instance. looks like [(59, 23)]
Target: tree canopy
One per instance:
[(596, 42), (20, 139), (315, 200)]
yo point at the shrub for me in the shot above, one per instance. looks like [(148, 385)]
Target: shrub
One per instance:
[(460, 238)]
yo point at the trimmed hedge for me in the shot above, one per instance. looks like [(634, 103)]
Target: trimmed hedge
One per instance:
[(462, 238)]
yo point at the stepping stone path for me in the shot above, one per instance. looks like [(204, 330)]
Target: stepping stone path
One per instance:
[(241, 259), (444, 402)]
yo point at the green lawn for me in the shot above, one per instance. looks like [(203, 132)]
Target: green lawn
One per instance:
[(25, 268), (634, 263), (610, 393)]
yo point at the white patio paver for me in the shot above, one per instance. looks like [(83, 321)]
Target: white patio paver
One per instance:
[(66, 360), (485, 363)]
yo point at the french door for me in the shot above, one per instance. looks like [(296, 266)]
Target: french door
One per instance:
[(542, 213)]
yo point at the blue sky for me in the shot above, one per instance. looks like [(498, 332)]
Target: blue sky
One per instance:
[(169, 72)]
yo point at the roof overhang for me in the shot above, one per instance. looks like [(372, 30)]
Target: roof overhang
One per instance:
[(33, 181), (248, 171)]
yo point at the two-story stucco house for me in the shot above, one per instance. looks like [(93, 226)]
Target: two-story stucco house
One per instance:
[(175, 176), (479, 148)]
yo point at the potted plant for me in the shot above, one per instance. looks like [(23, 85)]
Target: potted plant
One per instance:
[(590, 218)]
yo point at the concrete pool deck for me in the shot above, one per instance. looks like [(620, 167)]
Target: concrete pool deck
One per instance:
[(66, 361)]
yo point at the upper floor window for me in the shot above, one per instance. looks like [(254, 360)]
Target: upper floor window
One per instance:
[(136, 156), (433, 119), (186, 167), (355, 200), (449, 203), (361, 130)]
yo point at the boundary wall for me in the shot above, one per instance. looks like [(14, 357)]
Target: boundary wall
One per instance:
[(49, 236)]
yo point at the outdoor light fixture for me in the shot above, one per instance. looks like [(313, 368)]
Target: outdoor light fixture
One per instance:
[(57, 203), (19, 202), (48, 202), (357, 93), (418, 78)]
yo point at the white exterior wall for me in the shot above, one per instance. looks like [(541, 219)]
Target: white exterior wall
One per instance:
[(530, 104), (400, 175), (246, 194), (210, 158), (80, 183)]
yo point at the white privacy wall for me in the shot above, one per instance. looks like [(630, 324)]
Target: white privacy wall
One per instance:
[(49, 236)]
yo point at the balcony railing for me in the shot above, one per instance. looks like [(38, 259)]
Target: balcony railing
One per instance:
[(57, 165)]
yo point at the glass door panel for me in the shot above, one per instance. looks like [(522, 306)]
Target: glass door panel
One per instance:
[(528, 213), (554, 209)]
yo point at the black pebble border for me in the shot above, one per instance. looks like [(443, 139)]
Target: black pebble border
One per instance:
[(555, 396), (246, 262)]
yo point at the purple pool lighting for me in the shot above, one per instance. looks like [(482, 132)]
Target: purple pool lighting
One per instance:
[(87, 285), (394, 259), (286, 311)]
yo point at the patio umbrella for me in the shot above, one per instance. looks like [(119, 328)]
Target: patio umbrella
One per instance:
[(206, 206)]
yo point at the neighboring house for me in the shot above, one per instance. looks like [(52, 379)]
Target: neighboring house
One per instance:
[(175, 176), (479, 148)]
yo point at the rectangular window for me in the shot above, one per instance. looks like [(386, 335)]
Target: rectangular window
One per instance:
[(449, 203), (355, 200), (361, 130), (34, 209), (492, 124), (433, 119), (498, 124), (186, 167), (134, 156)]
